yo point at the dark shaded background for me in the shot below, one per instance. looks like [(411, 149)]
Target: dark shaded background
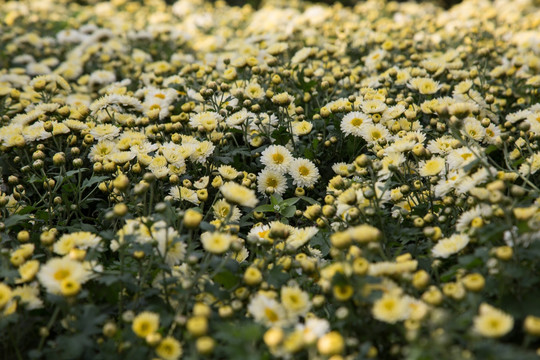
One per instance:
[(256, 3)]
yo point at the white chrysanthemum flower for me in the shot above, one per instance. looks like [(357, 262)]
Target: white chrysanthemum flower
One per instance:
[(460, 158), (267, 311), (105, 131), (424, 86), (466, 218), (478, 177), (209, 120), (271, 178), (300, 237), (453, 179), (303, 172), (295, 301), (202, 151), (442, 145), (223, 210), (277, 157), (473, 128), (373, 106), (239, 194), (184, 194), (374, 132), (432, 167), (391, 308), (493, 132), (492, 322), (259, 234), (450, 246), (56, 270), (354, 122)]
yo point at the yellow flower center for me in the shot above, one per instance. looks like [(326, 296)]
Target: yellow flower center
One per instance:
[(278, 158), (303, 170), (272, 182), (271, 315), (356, 122), (61, 274)]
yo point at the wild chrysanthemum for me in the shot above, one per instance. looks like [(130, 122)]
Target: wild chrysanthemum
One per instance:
[(354, 122), (492, 322), (269, 178), (57, 270), (276, 157), (303, 172), (239, 194)]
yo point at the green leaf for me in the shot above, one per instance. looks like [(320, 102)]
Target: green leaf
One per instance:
[(289, 211), (277, 276), (264, 208), (310, 200), (226, 279), (93, 180), (290, 201), (15, 219)]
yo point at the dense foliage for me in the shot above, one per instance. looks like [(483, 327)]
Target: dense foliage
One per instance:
[(198, 180)]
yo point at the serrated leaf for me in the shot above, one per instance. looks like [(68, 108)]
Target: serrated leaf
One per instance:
[(264, 208), (15, 219), (289, 211), (290, 201), (93, 180)]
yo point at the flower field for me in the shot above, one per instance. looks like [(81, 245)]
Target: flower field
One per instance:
[(297, 181)]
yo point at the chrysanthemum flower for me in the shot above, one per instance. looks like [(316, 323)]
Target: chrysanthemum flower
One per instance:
[(269, 178), (276, 157), (303, 172), (354, 122), (216, 242), (492, 322), (56, 270), (239, 194)]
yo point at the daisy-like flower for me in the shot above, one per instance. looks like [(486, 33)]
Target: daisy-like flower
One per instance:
[(209, 120), (276, 157), (391, 308), (492, 322), (169, 349), (432, 167), (239, 118), (259, 234), (184, 194), (145, 323), (267, 311), (373, 106), (57, 270), (303, 172), (473, 128), (300, 128), (105, 131), (223, 210), (28, 296), (374, 132), (239, 194), (424, 86), (460, 158), (203, 150), (254, 91), (300, 237), (216, 242), (450, 246), (269, 178), (295, 301), (354, 122), (228, 172)]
